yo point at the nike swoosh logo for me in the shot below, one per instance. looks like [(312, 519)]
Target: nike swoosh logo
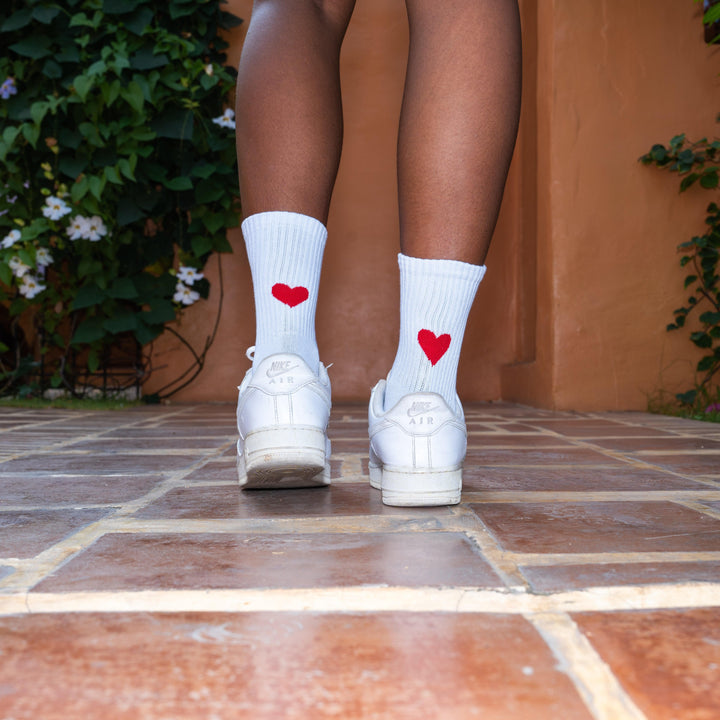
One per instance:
[(414, 413), (274, 373)]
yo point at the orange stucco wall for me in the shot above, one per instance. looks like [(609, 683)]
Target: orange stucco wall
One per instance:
[(582, 276)]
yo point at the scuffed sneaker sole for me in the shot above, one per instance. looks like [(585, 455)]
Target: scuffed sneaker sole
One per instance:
[(416, 488), (284, 457)]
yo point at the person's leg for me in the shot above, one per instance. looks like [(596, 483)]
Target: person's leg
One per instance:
[(289, 138), (288, 110), (457, 132)]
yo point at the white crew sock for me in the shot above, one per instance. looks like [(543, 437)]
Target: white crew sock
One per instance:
[(285, 251), (435, 301)]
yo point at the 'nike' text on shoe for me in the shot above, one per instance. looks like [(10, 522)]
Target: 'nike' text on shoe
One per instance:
[(282, 417), (417, 449)]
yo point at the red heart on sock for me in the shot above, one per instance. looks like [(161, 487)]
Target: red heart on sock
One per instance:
[(290, 296), (433, 346)]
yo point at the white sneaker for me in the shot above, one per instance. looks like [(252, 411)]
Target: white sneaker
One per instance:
[(417, 449), (282, 417)]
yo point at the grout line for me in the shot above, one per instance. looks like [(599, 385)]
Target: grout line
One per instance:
[(52, 447), (691, 504), (371, 598), (594, 680), (611, 558), (33, 570), (499, 560), (517, 496)]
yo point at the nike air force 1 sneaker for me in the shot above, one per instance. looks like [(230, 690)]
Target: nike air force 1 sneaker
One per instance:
[(417, 449), (282, 417)]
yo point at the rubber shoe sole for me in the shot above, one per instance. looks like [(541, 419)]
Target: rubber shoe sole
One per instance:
[(283, 457), (408, 487)]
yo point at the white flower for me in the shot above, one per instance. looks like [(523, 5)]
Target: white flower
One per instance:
[(55, 208), (18, 267), (95, 228), (226, 119), (185, 295), (10, 239), (43, 258), (30, 287), (78, 228), (209, 70), (189, 275)]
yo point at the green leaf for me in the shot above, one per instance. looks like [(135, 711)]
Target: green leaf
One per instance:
[(51, 69), (10, 133), (45, 15), (709, 179), (204, 170), (658, 153), (128, 211), (145, 334), (120, 7), (17, 20), (133, 94), (139, 20), (201, 245), (705, 363), (82, 85), (111, 175), (145, 59), (688, 180), (125, 168), (31, 133), (179, 184), (123, 289), (5, 274), (89, 331), (209, 191), (712, 14), (93, 361), (160, 312), (38, 110), (88, 296), (689, 280), (35, 46), (687, 398), (213, 222), (701, 339), (79, 189), (122, 321), (174, 123), (97, 185), (72, 165), (88, 266), (710, 318)]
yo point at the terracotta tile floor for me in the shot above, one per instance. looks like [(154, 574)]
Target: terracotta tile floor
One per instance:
[(579, 578)]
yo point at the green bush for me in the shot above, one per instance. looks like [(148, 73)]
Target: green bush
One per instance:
[(117, 174), (699, 162)]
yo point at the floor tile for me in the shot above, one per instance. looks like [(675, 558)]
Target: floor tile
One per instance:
[(25, 534), (355, 667), (691, 463), (237, 560), (634, 444), (537, 457), (74, 489), (599, 527), (228, 501), (557, 578), (668, 661), (559, 513), (76, 464), (479, 477)]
